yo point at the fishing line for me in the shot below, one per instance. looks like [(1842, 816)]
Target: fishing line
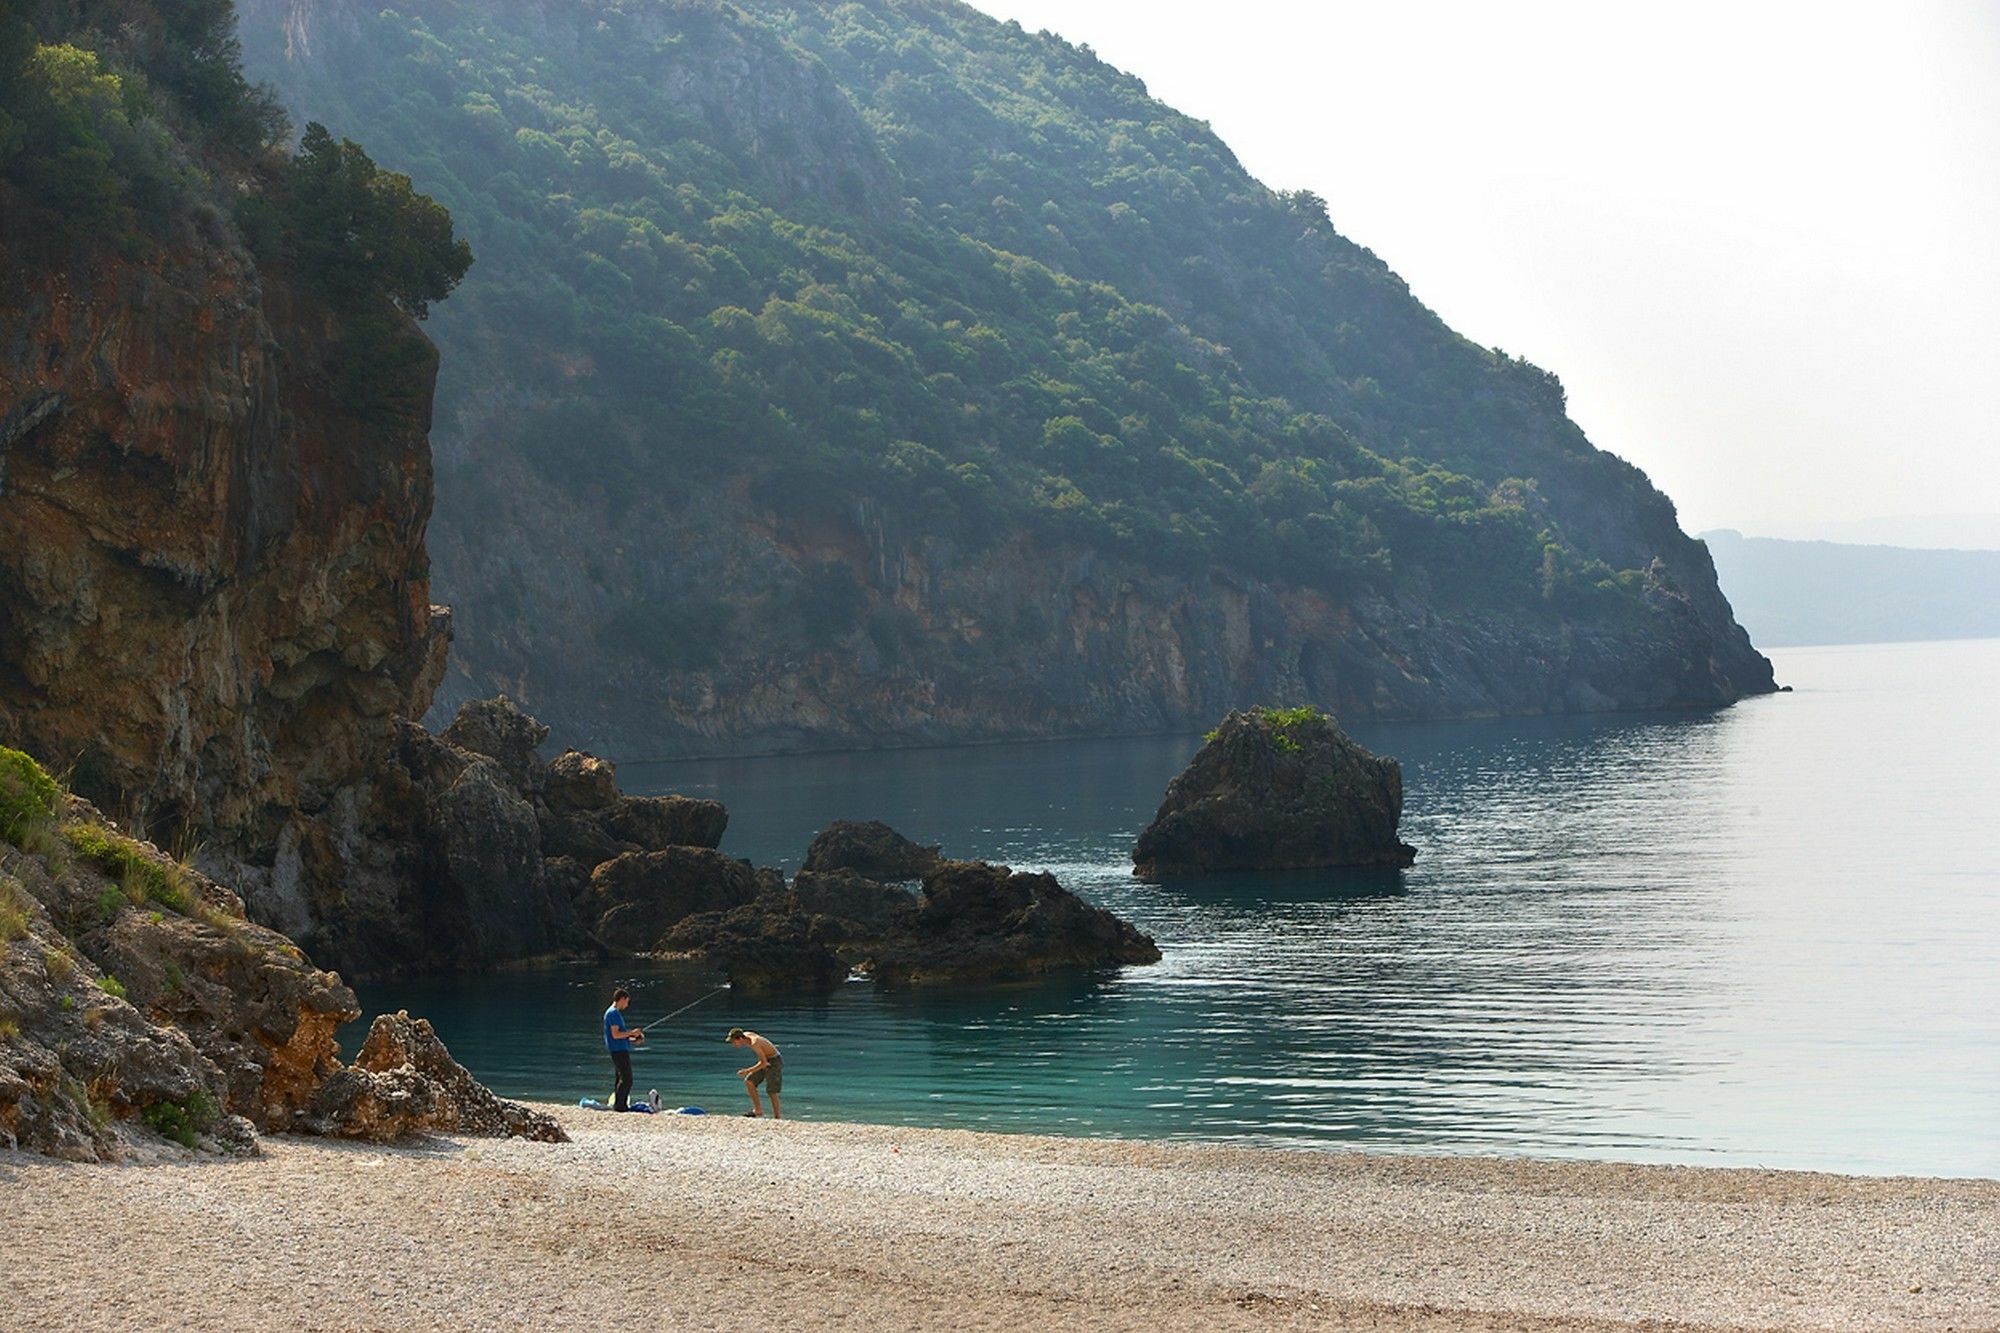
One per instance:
[(684, 1008)]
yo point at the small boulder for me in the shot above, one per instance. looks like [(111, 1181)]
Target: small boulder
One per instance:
[(579, 781), (653, 822), (396, 1042), (870, 848), (498, 729), (1277, 790)]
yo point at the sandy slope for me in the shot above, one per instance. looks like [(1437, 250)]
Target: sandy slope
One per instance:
[(733, 1223)]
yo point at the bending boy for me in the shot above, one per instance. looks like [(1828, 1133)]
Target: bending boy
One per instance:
[(769, 1070)]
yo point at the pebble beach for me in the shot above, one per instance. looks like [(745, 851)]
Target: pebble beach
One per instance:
[(727, 1222)]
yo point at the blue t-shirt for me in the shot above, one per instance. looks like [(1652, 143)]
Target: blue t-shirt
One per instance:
[(612, 1018)]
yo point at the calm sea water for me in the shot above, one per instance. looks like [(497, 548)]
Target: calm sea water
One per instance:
[(1767, 935)]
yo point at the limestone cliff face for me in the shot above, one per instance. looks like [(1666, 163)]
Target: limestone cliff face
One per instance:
[(838, 625), (214, 595)]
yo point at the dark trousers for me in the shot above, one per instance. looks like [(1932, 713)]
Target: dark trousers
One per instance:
[(622, 1087)]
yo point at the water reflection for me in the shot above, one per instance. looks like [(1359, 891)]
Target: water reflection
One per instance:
[(1696, 938)]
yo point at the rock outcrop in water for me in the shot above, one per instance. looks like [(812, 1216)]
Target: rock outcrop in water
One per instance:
[(869, 848), (970, 923), (1277, 790), (134, 992)]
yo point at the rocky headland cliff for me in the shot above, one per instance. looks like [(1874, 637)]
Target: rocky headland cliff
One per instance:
[(864, 375)]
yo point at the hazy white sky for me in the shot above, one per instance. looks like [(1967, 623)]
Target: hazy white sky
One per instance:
[(1759, 241)]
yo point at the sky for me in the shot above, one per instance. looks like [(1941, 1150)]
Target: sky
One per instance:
[(1759, 241)]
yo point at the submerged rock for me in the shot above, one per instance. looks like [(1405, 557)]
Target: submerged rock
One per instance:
[(870, 848), (1277, 790)]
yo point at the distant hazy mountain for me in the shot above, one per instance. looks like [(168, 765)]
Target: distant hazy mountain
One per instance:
[(1923, 532), (1787, 592)]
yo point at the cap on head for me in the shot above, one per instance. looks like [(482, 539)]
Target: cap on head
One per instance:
[(735, 1034)]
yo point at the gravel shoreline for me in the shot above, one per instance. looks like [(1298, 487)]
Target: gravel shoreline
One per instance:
[(725, 1222)]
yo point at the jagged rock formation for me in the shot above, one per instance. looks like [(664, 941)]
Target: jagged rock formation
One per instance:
[(978, 922), (1276, 791), (971, 923), (134, 991), (403, 1081), (872, 849)]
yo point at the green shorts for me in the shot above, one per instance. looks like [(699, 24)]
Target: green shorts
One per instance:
[(772, 1076)]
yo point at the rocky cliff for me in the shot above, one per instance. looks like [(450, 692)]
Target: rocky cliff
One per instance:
[(214, 594), (883, 374), (136, 995)]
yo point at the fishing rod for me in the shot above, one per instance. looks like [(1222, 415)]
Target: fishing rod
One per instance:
[(684, 1008)]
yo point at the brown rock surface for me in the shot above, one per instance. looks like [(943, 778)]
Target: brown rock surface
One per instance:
[(870, 848), (214, 592), (403, 1081), (1277, 791), (635, 898)]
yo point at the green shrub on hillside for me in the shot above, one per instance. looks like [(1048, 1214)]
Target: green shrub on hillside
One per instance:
[(1090, 323), (28, 796), (183, 1121), (132, 865), (13, 910)]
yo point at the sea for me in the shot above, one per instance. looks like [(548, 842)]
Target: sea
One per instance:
[(1765, 935)]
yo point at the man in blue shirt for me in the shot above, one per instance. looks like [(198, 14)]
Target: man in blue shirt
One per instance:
[(619, 1040)]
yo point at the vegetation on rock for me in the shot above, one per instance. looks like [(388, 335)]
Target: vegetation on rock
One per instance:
[(198, 1024), (1277, 789), (909, 289)]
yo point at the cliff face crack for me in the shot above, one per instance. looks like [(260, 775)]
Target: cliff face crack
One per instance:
[(22, 420)]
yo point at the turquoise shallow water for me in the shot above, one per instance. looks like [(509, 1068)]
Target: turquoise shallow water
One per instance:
[(1767, 935)]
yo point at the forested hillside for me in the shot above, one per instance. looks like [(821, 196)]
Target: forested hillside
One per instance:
[(877, 373)]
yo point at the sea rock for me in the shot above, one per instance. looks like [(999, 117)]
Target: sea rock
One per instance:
[(492, 847), (635, 898), (403, 1081), (870, 848), (978, 923), (769, 945), (1277, 790), (852, 897), (654, 822)]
